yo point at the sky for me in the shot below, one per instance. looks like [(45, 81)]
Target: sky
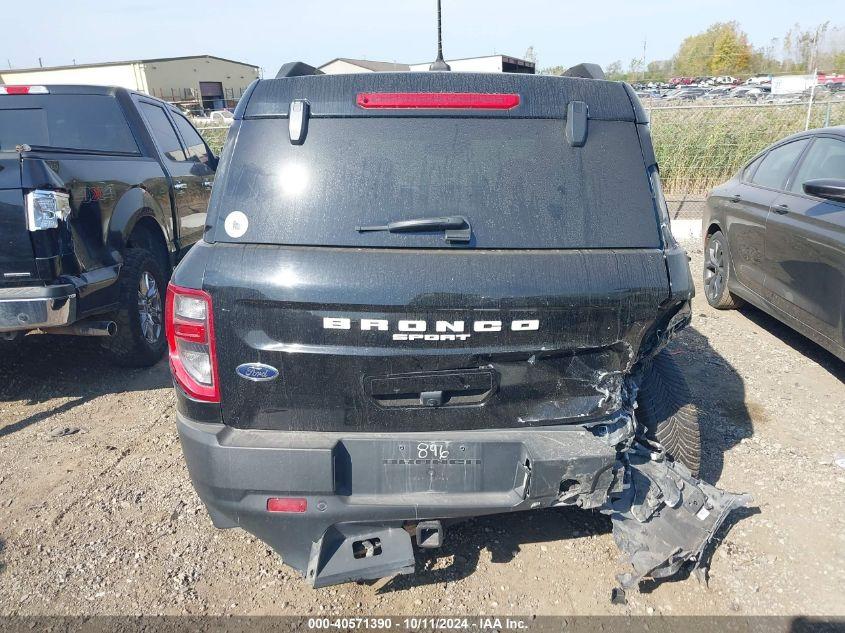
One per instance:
[(268, 34)]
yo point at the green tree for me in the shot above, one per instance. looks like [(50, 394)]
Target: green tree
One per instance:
[(723, 45), (614, 71), (731, 53)]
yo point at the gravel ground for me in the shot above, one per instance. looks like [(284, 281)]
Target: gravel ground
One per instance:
[(105, 521)]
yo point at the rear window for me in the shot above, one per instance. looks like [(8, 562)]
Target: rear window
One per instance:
[(81, 122), (518, 181)]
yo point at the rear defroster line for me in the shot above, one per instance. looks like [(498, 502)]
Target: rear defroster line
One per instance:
[(664, 517)]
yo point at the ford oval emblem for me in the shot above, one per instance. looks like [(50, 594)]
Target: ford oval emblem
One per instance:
[(257, 372)]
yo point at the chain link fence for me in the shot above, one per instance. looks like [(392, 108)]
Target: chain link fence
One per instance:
[(214, 135), (191, 99), (699, 146)]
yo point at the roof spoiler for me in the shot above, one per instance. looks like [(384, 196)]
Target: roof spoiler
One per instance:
[(586, 71), (297, 69)]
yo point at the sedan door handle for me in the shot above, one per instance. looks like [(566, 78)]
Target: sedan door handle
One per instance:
[(735, 198), (207, 184), (781, 209), (180, 185)]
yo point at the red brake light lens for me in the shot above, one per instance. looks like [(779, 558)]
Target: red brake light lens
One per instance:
[(190, 340), (286, 504), (24, 90), (437, 100)]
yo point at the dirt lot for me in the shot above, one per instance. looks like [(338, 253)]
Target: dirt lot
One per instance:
[(105, 520)]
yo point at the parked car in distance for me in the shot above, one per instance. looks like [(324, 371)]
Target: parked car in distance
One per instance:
[(775, 236), (102, 191), (224, 117), (388, 325), (214, 117), (686, 93), (719, 92), (649, 94)]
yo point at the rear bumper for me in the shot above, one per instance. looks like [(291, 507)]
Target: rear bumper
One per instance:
[(367, 486), (28, 308)]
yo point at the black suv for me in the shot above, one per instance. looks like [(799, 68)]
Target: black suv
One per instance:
[(428, 296), (102, 190)]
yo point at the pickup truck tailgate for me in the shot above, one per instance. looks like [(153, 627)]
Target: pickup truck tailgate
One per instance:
[(17, 260)]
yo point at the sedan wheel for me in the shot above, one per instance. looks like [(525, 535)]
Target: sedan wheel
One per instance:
[(717, 273), (714, 271)]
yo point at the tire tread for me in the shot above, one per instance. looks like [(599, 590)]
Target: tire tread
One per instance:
[(664, 407)]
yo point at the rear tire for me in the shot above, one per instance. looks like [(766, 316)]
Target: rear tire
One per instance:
[(717, 272), (140, 339), (665, 410)]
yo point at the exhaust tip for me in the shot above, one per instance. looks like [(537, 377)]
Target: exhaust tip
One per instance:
[(85, 328)]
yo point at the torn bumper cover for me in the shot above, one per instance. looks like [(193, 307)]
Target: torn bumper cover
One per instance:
[(665, 517), (358, 492), (362, 492)]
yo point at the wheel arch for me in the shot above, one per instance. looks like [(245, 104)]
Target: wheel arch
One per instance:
[(139, 221), (146, 233), (714, 226)]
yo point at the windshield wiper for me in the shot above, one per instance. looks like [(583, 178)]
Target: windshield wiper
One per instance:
[(457, 227)]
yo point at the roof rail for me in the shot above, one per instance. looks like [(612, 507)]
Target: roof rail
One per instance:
[(297, 69), (587, 71)]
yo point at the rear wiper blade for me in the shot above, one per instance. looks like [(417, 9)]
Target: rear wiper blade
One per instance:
[(457, 227)]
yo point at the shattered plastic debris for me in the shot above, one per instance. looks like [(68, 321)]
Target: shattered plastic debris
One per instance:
[(664, 517)]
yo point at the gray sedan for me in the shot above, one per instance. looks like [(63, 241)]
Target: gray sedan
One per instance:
[(775, 236)]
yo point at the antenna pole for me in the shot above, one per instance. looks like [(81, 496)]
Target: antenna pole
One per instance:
[(439, 63)]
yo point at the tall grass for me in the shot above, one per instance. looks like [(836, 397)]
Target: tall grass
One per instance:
[(699, 147)]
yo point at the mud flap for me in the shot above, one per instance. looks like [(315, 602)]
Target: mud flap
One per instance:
[(665, 517)]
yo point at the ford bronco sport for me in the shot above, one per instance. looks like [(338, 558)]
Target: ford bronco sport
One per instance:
[(428, 296)]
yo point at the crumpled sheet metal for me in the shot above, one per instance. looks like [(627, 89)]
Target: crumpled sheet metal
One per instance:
[(664, 517)]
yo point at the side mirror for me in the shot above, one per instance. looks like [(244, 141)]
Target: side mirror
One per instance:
[(827, 188)]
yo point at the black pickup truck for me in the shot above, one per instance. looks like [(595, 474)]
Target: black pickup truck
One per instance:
[(102, 190)]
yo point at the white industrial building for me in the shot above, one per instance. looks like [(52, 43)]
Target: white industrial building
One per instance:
[(205, 80), (488, 64)]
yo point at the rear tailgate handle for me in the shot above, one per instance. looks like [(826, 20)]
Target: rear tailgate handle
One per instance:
[(431, 390)]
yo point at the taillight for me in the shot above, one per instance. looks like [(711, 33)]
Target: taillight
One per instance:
[(190, 338), (44, 209), (24, 90), (437, 100)]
